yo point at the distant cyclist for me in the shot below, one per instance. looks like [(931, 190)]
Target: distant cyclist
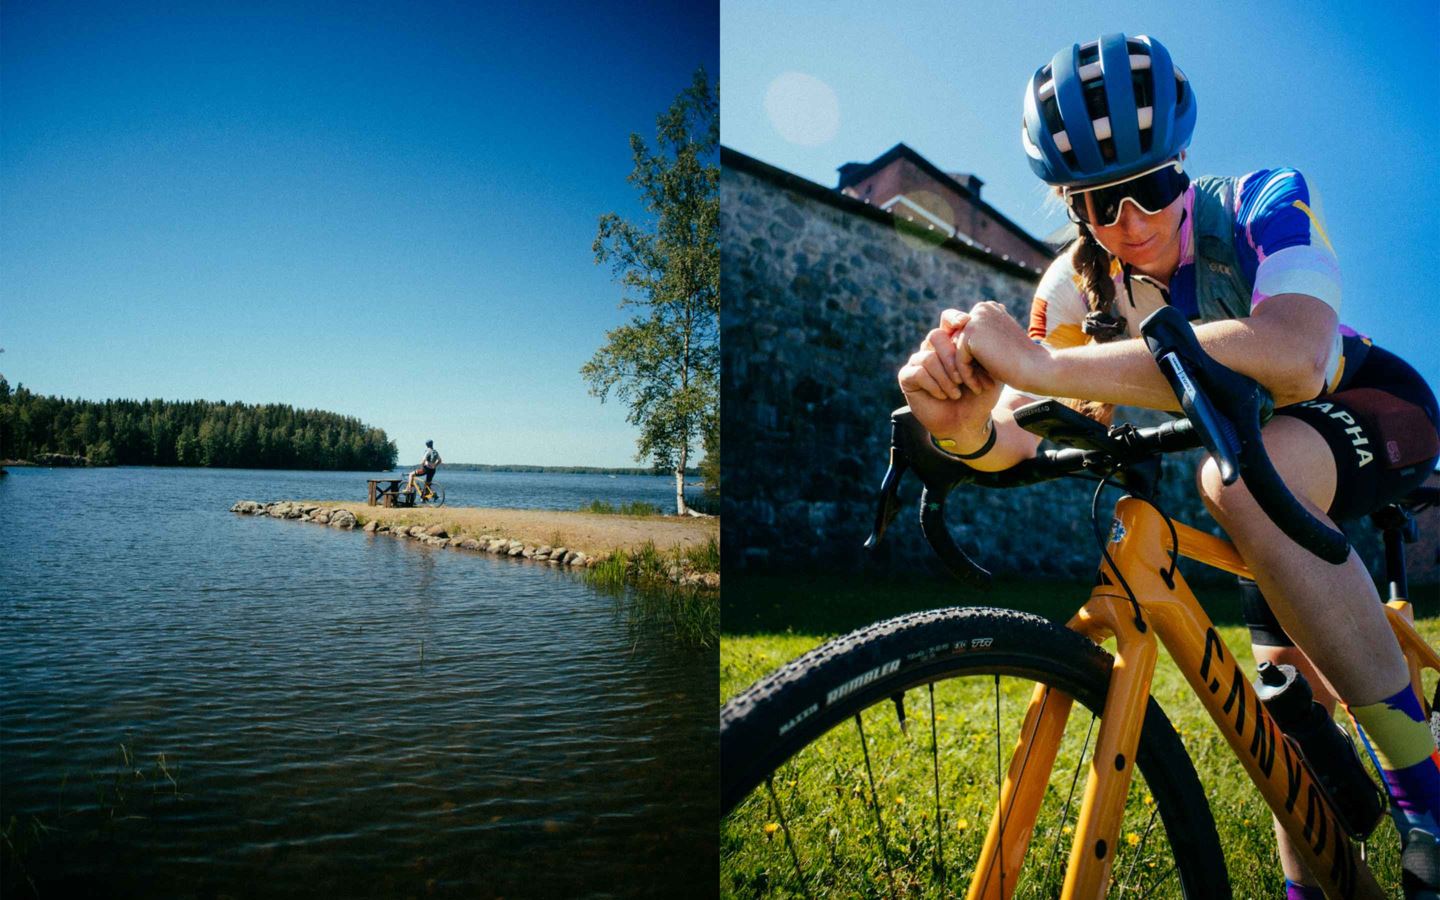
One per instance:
[(428, 464)]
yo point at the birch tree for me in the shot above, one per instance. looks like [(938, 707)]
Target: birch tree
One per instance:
[(665, 362)]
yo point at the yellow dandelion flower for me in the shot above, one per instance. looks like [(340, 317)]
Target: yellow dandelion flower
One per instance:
[(899, 801), (1149, 800), (1132, 838), (771, 828), (1068, 829)]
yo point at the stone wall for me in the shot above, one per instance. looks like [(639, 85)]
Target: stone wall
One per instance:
[(824, 298)]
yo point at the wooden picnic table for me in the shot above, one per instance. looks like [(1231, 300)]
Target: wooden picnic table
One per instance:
[(389, 495)]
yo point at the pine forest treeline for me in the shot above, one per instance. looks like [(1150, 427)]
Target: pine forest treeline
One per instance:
[(188, 433)]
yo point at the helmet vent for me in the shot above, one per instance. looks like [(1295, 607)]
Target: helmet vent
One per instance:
[(1050, 109)]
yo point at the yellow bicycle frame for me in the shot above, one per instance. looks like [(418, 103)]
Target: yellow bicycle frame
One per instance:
[(1140, 547)]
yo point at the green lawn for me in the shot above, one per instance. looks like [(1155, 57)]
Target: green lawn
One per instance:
[(825, 794)]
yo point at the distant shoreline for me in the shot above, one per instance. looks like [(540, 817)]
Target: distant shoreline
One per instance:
[(563, 470), (81, 462)]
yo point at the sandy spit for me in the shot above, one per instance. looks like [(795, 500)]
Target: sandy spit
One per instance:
[(593, 535)]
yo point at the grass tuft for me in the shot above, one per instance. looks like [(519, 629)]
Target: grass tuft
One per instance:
[(644, 581), (636, 508)]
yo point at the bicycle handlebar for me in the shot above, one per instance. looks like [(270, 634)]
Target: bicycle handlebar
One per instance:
[(1222, 414), (1225, 407)]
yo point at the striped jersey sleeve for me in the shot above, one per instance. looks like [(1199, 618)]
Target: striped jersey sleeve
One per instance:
[(1281, 241)]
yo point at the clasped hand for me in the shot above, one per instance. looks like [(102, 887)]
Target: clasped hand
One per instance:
[(953, 381)]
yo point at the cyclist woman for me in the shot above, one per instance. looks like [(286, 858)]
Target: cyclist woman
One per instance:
[(427, 467), (1247, 259)]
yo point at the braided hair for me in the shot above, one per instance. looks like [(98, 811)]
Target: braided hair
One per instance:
[(1092, 264)]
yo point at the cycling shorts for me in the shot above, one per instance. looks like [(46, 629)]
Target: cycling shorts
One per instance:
[(428, 472), (1382, 430)]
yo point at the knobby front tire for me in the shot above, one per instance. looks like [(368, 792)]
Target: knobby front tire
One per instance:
[(826, 793)]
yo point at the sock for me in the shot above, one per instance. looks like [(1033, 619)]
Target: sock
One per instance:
[(1409, 761), (1295, 891)]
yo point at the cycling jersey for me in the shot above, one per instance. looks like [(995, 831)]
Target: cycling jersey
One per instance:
[(1376, 413), (431, 458), (1280, 245)]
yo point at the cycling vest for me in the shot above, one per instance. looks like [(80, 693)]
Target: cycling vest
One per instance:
[(1220, 289)]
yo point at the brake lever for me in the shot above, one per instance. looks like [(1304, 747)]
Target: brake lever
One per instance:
[(910, 448), (888, 505), (1225, 407)]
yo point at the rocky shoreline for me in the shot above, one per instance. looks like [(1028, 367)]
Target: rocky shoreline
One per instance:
[(439, 536), (49, 461)]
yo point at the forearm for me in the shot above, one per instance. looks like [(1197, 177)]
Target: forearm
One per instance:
[(1278, 352)]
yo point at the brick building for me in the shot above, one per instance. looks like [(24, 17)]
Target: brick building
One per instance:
[(909, 186)]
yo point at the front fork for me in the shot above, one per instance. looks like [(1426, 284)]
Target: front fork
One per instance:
[(1107, 783)]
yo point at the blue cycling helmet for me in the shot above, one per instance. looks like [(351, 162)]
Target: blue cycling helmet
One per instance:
[(1106, 110)]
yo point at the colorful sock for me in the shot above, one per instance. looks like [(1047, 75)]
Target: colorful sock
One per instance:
[(1295, 891), (1402, 742)]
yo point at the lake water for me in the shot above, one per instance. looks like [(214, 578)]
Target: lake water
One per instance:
[(342, 715)]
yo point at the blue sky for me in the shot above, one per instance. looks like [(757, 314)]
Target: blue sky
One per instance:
[(1345, 92), (380, 209)]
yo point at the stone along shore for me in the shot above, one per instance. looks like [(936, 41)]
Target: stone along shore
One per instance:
[(434, 535), (510, 533)]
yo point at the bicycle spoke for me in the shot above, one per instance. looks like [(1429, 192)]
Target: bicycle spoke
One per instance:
[(1140, 850), (829, 842), (875, 802), (1065, 812), (935, 760), (999, 788), (1151, 888), (785, 827)]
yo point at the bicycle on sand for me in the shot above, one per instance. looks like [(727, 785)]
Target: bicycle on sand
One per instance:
[(1140, 824)]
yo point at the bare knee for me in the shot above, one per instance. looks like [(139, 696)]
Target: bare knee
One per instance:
[(1231, 504)]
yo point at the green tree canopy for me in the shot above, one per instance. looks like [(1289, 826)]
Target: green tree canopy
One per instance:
[(665, 362), (187, 433)]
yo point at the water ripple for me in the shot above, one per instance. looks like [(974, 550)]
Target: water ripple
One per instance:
[(274, 671)]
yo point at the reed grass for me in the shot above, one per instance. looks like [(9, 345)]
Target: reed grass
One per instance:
[(634, 508), (125, 792), (643, 584)]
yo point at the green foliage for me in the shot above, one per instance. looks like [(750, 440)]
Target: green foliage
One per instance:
[(665, 362), (101, 454), (710, 465), (706, 558), (191, 433), (650, 600), (637, 508)]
